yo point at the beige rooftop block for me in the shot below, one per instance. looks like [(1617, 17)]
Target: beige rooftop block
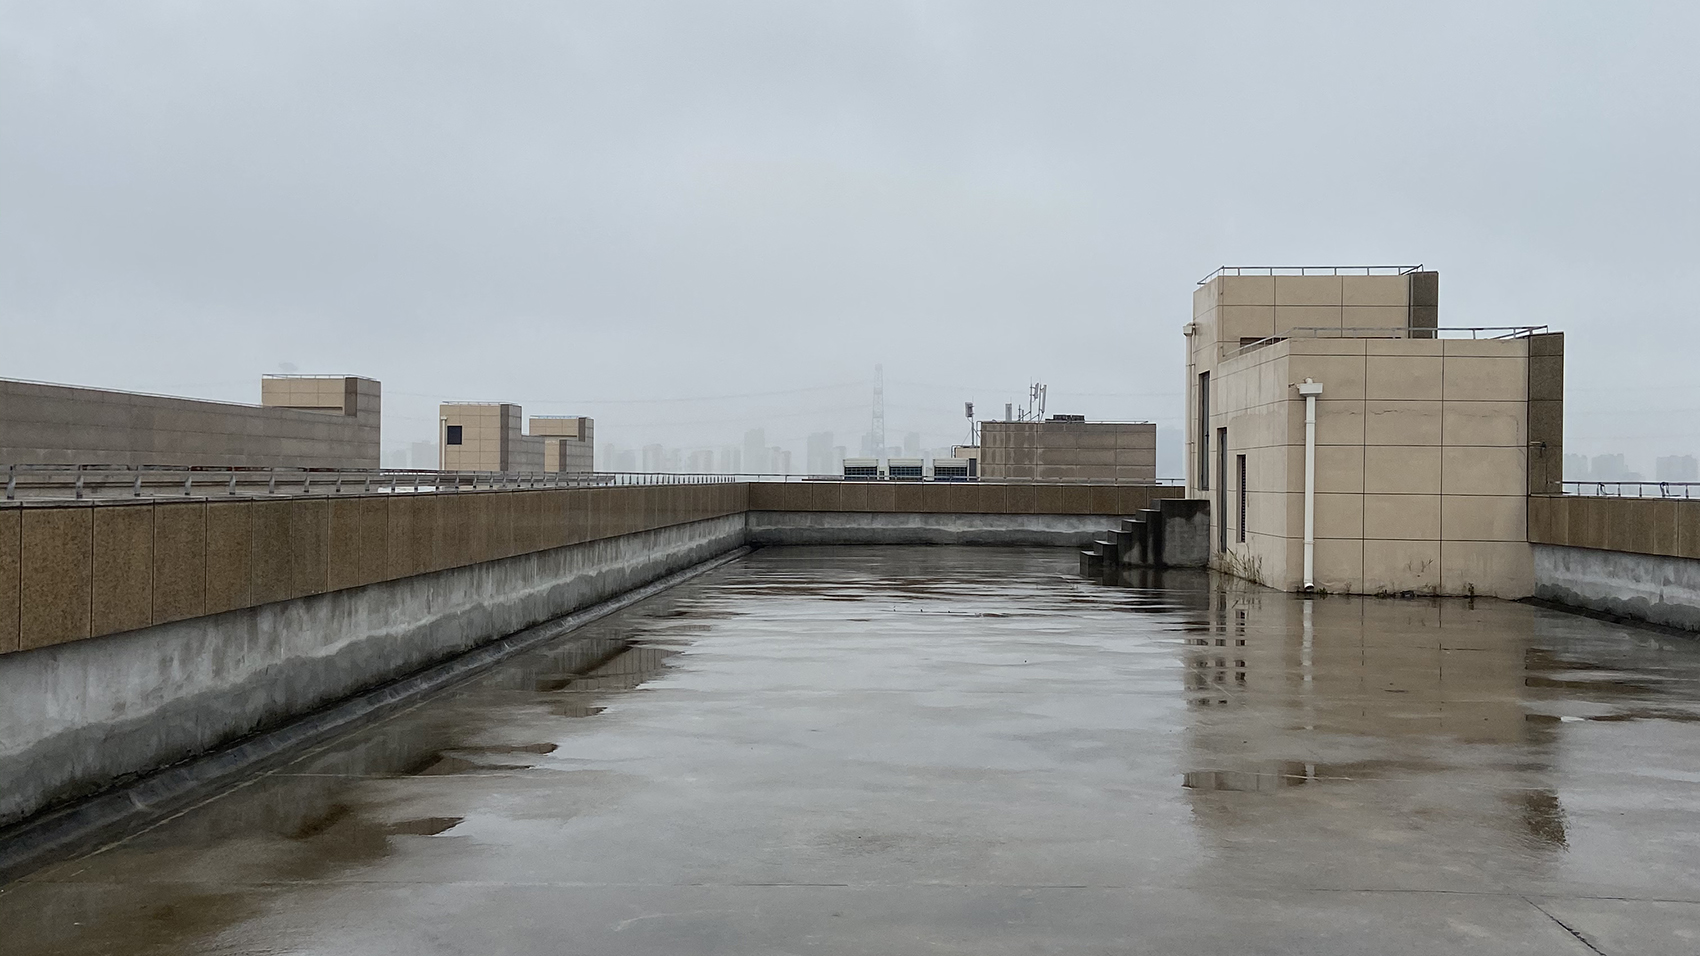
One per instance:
[(1395, 317), (1339, 468), (1403, 423), (1342, 376), (1338, 422), (1485, 423), (1483, 379), (1401, 565), (1504, 569), (1475, 470), (1246, 290), (1294, 319), (1204, 299), (1238, 322), (1375, 290), (1402, 469), (1307, 290), (1484, 518), (1403, 377), (1339, 516), (1340, 564)]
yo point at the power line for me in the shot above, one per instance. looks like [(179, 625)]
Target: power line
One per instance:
[(645, 401)]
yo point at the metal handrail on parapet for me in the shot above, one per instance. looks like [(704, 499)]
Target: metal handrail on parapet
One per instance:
[(1632, 489), (47, 482), (1311, 271), (1478, 332)]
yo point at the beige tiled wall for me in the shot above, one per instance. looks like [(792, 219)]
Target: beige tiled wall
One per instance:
[(1421, 463)]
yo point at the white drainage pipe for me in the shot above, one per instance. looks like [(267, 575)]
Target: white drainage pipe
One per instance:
[(1310, 390)]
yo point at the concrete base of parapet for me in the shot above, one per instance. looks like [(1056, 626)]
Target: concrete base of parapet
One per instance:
[(79, 717), (855, 527), (1642, 587)]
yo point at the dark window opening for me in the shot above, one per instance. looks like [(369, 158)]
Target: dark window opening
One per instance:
[(453, 436), (1240, 530), (1203, 430), (1222, 489)]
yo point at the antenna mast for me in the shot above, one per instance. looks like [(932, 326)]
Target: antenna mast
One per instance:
[(879, 411)]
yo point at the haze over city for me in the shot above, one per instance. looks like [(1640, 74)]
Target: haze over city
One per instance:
[(690, 221)]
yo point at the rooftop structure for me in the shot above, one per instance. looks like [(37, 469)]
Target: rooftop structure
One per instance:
[(487, 436), (1068, 448), (1425, 442), (302, 421)]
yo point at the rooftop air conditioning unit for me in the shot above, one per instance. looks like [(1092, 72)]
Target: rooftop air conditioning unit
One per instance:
[(907, 469), (862, 469)]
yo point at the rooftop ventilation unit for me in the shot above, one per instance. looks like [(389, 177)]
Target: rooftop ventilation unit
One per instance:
[(862, 469), (953, 469), (907, 469)]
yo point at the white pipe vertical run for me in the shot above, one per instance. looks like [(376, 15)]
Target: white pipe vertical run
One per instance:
[(1310, 390)]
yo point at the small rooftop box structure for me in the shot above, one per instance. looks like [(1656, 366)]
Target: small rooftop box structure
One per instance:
[(906, 469), (862, 469), (953, 469)]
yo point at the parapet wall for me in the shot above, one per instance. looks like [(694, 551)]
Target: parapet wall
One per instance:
[(939, 497), (1632, 557), (69, 572)]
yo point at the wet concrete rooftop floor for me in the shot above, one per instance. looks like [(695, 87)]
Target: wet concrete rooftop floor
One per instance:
[(907, 750)]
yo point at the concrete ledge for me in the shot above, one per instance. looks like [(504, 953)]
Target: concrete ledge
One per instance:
[(848, 527), (126, 809), (1645, 587), (80, 716)]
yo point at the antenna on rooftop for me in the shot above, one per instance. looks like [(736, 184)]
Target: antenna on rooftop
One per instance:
[(879, 411)]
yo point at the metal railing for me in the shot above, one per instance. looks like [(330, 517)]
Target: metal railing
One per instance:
[(1476, 332), (45, 482), (1633, 489), (1311, 271)]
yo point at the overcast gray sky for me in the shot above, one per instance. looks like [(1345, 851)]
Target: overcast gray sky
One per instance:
[(589, 207)]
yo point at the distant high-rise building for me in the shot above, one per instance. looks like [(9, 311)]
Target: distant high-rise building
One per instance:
[(673, 461), (626, 461), (423, 454), (870, 448), (912, 445), (1677, 468), (778, 461), (755, 451), (1608, 468), (700, 462), (731, 460), (1575, 466), (839, 453), (820, 454), (653, 458)]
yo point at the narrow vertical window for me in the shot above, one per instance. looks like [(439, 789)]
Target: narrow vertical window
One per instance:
[(1240, 527), (1222, 489), (453, 436), (1203, 431)]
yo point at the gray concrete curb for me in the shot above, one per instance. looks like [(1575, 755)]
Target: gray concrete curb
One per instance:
[(127, 808)]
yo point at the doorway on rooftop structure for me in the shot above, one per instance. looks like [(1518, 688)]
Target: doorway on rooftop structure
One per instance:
[(1221, 489)]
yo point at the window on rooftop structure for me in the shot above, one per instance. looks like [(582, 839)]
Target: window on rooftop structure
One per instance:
[(1240, 531), (453, 436), (1203, 431)]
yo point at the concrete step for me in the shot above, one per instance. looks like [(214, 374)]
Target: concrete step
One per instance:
[(1107, 548), (1091, 562)]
